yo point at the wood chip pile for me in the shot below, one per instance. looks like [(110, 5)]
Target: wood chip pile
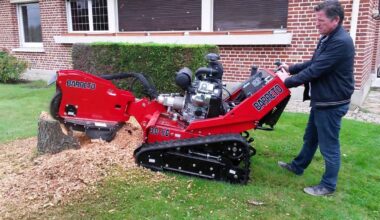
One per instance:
[(29, 182)]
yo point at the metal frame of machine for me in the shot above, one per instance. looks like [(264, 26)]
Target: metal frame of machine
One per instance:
[(199, 132)]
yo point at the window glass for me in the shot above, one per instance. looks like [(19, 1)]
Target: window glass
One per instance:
[(159, 15), (250, 14), (100, 15), (31, 22), (79, 15), (80, 10)]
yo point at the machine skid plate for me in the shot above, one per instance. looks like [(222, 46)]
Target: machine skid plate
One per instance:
[(217, 157)]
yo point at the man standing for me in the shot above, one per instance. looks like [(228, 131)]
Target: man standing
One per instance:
[(329, 84)]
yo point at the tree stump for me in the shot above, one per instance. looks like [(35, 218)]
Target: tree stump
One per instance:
[(53, 137)]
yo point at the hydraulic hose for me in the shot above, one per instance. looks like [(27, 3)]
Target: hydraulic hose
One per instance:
[(149, 88)]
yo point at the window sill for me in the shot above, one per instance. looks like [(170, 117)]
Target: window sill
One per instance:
[(29, 49), (215, 38)]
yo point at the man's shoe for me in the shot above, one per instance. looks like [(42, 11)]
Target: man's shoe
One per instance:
[(318, 190), (288, 167)]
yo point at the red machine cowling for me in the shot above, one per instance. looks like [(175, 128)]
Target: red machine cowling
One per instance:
[(196, 133), (243, 117)]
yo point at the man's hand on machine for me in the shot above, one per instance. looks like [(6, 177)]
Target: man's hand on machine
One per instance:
[(282, 71)]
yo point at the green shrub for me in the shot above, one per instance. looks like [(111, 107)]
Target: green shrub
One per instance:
[(159, 62), (11, 68), (2, 54)]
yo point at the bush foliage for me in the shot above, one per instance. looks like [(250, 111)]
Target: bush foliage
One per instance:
[(159, 62), (11, 68)]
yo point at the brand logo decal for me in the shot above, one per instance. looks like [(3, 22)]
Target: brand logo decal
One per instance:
[(268, 97), (81, 85)]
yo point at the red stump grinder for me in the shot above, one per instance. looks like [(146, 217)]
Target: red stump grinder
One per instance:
[(200, 132)]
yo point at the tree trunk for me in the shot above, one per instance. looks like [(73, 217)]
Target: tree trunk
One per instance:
[(53, 137)]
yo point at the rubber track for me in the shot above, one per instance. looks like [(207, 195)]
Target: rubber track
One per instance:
[(198, 143)]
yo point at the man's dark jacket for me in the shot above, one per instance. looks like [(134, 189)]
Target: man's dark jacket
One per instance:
[(330, 71)]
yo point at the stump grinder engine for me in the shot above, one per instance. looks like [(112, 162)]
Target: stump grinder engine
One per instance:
[(201, 132)]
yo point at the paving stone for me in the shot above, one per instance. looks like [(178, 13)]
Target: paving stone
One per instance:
[(368, 112), (372, 102)]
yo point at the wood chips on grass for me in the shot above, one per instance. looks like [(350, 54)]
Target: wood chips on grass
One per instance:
[(29, 183)]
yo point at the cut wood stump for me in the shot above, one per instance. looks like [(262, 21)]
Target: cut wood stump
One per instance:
[(53, 137)]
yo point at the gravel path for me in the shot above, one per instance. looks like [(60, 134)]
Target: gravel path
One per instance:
[(355, 114)]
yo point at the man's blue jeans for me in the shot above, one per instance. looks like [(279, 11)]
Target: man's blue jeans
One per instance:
[(322, 129)]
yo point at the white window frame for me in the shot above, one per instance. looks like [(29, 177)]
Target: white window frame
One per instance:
[(111, 18), (24, 44), (276, 37), (207, 16)]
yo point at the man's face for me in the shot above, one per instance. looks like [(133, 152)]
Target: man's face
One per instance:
[(326, 25)]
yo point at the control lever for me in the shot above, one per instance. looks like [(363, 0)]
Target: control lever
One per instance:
[(281, 72), (278, 63), (254, 70)]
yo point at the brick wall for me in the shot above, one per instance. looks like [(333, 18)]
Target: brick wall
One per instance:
[(53, 23), (301, 22), (376, 62), (8, 26), (365, 38), (237, 59), (376, 52)]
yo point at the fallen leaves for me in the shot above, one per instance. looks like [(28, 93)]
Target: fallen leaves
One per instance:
[(255, 203)]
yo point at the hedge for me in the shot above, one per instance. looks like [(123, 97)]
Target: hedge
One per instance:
[(159, 62)]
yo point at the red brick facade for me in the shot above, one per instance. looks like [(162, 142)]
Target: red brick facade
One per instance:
[(53, 23), (376, 52), (301, 22), (305, 37), (237, 59), (8, 26), (376, 56), (365, 39)]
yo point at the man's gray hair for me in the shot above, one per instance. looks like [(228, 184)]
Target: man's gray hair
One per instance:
[(332, 8)]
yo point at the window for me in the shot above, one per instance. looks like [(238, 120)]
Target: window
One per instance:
[(30, 25), (159, 15), (79, 15), (88, 15), (248, 15), (100, 15), (175, 15)]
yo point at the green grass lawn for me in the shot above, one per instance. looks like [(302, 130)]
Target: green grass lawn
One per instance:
[(20, 106), (137, 194)]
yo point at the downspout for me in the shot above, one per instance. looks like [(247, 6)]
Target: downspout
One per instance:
[(354, 19)]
